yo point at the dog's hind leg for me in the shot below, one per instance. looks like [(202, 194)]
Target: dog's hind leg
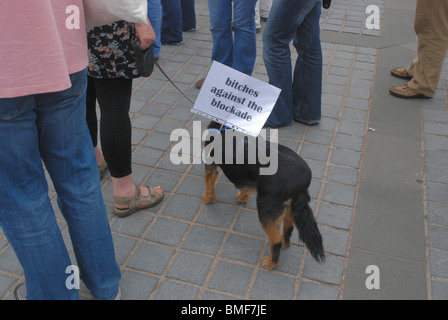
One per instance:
[(211, 173), (288, 227), (272, 229), (270, 214), (243, 196)]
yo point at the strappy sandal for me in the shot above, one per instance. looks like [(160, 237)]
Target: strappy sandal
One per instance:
[(137, 202)]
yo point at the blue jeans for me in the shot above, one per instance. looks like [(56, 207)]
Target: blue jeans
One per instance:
[(178, 15), (172, 22), (155, 17), (300, 99), (239, 51), (188, 15), (51, 128)]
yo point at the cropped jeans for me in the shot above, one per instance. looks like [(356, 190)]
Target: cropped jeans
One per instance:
[(300, 99), (237, 50), (51, 129)]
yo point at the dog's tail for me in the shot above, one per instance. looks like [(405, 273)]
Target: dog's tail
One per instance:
[(309, 233)]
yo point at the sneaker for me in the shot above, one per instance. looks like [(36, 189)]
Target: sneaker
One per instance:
[(307, 122), (118, 296), (20, 292), (172, 43), (273, 126)]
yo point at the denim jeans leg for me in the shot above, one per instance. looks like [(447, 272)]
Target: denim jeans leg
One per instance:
[(284, 19), (67, 152), (245, 46), (26, 214), (188, 15), (172, 22), (221, 30), (307, 83), (155, 17), (52, 127)]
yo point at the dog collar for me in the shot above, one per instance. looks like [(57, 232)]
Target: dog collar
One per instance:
[(217, 130)]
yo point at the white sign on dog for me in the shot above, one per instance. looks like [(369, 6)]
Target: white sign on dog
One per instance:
[(235, 99)]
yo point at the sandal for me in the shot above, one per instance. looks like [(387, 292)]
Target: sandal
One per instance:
[(102, 168), (137, 202)]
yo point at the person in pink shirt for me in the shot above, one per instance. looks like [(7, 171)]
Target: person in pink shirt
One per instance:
[(43, 61)]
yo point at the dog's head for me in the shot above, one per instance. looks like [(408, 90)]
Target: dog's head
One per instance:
[(217, 127)]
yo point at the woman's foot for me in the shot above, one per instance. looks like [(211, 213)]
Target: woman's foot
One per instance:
[(102, 165), (142, 197)]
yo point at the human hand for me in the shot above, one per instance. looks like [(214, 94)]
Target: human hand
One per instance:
[(145, 34)]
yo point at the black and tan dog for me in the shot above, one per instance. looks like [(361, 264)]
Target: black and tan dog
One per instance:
[(282, 195)]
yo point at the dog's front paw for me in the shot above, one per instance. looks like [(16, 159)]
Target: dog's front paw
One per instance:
[(243, 197), (208, 198), (267, 263)]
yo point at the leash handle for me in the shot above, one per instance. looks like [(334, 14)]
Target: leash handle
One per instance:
[(326, 4)]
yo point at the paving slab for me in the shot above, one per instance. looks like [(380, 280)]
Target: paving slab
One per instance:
[(379, 189)]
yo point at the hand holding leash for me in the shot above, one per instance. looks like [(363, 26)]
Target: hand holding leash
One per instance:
[(145, 34)]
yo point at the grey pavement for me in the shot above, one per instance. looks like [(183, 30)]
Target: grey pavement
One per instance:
[(379, 188)]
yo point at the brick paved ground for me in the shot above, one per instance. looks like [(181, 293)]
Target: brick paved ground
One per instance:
[(379, 188)]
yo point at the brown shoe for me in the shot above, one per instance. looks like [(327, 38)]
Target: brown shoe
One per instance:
[(405, 92), (198, 84), (401, 73)]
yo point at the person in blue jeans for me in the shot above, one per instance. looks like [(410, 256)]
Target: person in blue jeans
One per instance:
[(43, 130), (52, 127), (155, 18), (300, 99), (178, 16), (237, 51)]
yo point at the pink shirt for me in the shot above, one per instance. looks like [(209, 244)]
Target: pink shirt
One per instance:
[(41, 43)]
